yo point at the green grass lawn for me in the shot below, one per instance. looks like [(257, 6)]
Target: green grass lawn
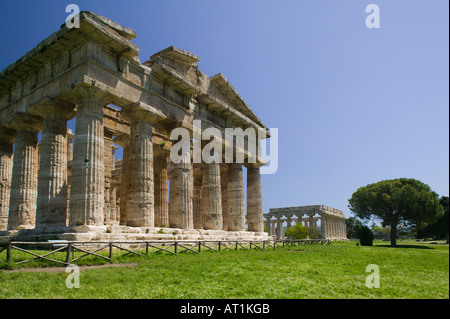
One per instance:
[(414, 270)]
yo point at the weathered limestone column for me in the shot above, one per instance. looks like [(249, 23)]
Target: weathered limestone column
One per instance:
[(236, 199), (267, 223), (22, 208), (140, 199), (289, 221), (272, 227), (181, 213), (333, 228), (336, 228), (140, 203), (212, 197), (161, 189), (324, 226), (6, 165), (330, 227), (279, 228), (197, 197), (52, 177), (344, 229), (311, 221), (113, 201), (226, 220), (125, 177), (255, 217), (109, 166), (69, 136), (87, 198)]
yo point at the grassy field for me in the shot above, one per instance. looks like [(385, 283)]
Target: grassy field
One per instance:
[(414, 270)]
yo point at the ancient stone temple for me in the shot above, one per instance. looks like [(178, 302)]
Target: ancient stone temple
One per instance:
[(70, 186), (332, 220)]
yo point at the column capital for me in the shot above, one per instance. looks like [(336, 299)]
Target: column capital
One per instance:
[(7, 135), (260, 162), (86, 93), (25, 122), (142, 112), (52, 107)]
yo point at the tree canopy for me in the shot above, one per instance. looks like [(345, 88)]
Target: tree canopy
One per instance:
[(395, 202)]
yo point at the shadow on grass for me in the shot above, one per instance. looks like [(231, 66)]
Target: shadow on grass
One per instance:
[(405, 246)]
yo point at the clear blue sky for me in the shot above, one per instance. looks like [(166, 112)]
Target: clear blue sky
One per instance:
[(352, 105)]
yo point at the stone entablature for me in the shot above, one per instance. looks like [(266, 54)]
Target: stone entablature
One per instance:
[(94, 73), (332, 220)]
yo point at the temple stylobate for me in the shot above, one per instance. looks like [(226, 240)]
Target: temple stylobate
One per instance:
[(70, 184)]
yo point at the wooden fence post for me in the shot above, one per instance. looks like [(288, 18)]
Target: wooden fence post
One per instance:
[(8, 252), (69, 248), (110, 250)]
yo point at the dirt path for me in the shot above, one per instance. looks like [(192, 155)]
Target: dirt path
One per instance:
[(62, 269)]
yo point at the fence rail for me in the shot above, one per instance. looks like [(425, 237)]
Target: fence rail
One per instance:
[(123, 248)]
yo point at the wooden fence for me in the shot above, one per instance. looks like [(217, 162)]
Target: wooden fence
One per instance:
[(123, 248)]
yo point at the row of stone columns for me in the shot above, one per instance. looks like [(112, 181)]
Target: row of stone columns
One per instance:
[(212, 200), (331, 227)]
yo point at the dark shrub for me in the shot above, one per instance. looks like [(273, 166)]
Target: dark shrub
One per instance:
[(365, 236)]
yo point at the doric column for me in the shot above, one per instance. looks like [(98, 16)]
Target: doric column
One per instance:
[(267, 223), (140, 203), (255, 217), (212, 197), (69, 136), (140, 199), (344, 229), (113, 201), (52, 177), (22, 208), (197, 197), (323, 226), (125, 176), (226, 220), (311, 221), (279, 228), (236, 198), (272, 227), (339, 226), (109, 166), (161, 189), (87, 198), (181, 196), (289, 221), (330, 226), (333, 228), (6, 165)]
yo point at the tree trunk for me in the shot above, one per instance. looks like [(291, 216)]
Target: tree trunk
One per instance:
[(393, 234)]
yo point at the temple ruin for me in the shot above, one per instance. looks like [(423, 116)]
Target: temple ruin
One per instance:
[(70, 186), (332, 220)]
